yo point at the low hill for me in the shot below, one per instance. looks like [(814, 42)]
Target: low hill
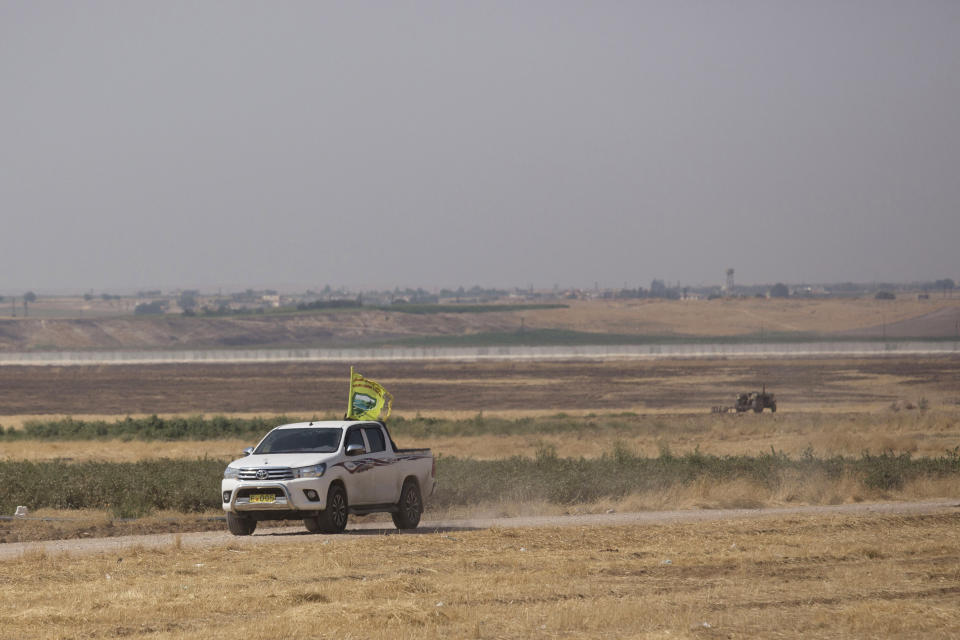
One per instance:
[(582, 321)]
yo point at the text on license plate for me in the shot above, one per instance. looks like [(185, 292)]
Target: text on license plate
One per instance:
[(263, 497)]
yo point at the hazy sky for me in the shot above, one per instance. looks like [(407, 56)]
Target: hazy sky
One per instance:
[(297, 144)]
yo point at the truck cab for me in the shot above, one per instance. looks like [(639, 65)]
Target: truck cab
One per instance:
[(322, 471)]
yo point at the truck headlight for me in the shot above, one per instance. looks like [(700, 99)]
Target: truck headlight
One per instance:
[(231, 472), (314, 471)]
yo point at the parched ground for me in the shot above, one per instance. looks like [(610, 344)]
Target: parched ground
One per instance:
[(306, 389), (831, 573), (939, 323)]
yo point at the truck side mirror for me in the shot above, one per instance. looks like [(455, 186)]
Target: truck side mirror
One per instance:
[(248, 451), (355, 450)]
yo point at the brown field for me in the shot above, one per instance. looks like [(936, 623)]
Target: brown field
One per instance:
[(834, 406), (307, 389), (794, 576)]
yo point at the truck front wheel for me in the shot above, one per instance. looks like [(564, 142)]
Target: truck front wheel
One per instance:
[(240, 526), (409, 508), (333, 519)]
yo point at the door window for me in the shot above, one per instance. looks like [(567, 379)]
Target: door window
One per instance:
[(375, 437), (354, 436)]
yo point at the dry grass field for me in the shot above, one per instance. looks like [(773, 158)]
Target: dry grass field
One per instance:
[(51, 524), (811, 576), (801, 576), (921, 433), (850, 434)]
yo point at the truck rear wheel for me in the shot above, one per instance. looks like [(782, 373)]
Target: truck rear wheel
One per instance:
[(410, 506), (239, 525), (333, 519)]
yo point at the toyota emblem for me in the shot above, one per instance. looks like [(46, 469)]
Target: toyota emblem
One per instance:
[(262, 474)]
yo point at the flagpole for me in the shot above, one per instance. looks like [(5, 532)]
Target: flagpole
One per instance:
[(350, 394)]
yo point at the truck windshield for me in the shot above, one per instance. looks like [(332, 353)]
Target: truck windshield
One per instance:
[(325, 440)]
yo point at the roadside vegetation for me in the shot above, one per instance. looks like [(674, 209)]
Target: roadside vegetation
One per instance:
[(134, 489), (164, 472), (146, 428)]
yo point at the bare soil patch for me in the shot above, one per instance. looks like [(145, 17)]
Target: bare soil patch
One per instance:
[(939, 323), (740, 316)]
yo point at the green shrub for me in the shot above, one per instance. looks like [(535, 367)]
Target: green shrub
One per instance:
[(127, 489), (131, 489), (149, 428)]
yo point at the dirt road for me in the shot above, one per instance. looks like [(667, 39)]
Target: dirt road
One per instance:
[(647, 518)]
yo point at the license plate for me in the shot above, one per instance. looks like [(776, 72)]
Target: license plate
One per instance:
[(263, 497)]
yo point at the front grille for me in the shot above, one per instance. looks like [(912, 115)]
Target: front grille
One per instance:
[(273, 473)]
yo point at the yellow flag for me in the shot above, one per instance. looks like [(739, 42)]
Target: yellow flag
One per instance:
[(368, 400)]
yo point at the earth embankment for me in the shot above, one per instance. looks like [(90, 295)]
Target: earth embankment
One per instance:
[(332, 329)]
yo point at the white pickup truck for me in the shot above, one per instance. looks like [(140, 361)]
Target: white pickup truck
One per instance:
[(320, 472)]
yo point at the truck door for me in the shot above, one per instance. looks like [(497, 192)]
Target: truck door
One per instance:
[(386, 485), (361, 468)]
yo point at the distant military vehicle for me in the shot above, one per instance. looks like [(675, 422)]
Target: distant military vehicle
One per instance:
[(755, 401)]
